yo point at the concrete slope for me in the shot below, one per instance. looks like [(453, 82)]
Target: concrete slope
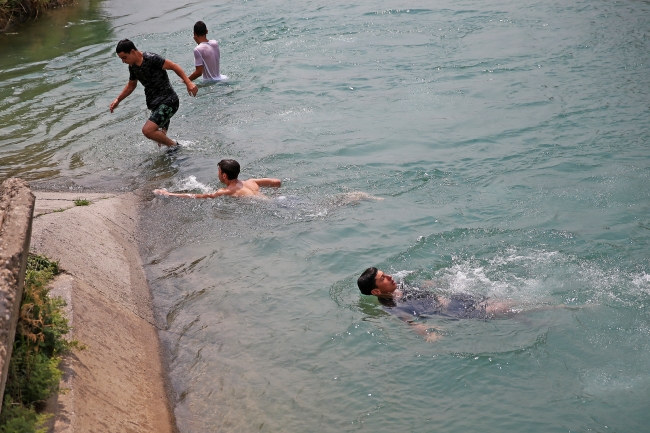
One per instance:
[(118, 383)]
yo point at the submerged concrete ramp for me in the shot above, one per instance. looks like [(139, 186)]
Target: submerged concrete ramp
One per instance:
[(117, 384), (16, 210)]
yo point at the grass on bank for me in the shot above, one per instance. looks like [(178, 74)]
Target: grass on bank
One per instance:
[(39, 343), (18, 10), (80, 201)]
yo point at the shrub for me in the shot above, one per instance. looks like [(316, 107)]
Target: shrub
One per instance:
[(38, 345), (19, 10), (81, 202)]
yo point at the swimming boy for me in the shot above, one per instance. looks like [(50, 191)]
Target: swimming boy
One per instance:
[(228, 170), (206, 55), (409, 304), (151, 70)]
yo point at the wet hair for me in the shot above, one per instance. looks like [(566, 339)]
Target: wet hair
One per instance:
[(366, 281), (230, 168), (200, 29), (125, 46)]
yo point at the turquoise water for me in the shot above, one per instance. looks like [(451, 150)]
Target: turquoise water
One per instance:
[(508, 141)]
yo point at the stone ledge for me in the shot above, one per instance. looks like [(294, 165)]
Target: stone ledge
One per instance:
[(16, 210)]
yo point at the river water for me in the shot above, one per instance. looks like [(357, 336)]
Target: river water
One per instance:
[(507, 139)]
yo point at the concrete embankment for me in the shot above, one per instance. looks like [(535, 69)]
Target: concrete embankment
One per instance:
[(16, 208), (118, 383)]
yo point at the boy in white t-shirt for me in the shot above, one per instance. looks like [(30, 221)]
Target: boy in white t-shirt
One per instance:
[(206, 55)]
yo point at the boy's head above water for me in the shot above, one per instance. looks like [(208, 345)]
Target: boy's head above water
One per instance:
[(125, 46), (375, 282), (228, 167), (200, 29), (127, 52)]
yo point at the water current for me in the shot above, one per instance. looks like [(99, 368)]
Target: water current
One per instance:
[(507, 139)]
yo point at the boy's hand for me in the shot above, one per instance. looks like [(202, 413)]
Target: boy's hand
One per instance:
[(114, 104), (192, 89), (161, 192), (432, 336)]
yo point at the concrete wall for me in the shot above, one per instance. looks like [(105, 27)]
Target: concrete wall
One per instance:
[(16, 210)]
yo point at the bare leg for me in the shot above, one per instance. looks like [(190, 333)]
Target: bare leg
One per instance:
[(509, 308), (500, 309), (151, 131), (351, 198)]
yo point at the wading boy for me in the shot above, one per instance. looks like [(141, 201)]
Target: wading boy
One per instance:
[(151, 70), (206, 55)]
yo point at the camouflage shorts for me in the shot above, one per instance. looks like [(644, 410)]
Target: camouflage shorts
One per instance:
[(162, 114)]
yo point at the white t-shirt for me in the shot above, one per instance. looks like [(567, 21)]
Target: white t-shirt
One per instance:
[(207, 54)]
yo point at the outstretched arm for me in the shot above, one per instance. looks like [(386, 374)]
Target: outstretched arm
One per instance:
[(128, 89), (429, 333), (426, 332), (191, 87), (267, 181), (197, 73), (217, 193)]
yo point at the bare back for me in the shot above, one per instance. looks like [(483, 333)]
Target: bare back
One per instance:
[(242, 188)]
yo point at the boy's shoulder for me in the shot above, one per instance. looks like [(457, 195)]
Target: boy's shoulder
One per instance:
[(152, 56)]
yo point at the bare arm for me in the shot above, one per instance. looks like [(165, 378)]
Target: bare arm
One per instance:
[(274, 183), (128, 89), (197, 73), (217, 193), (191, 87), (424, 331), (429, 333)]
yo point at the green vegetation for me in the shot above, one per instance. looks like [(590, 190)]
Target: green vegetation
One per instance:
[(33, 370), (80, 201), (18, 10)]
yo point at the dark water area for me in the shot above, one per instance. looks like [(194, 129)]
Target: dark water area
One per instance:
[(507, 141)]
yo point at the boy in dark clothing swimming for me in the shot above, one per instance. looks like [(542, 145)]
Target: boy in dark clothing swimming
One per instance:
[(151, 70), (410, 304)]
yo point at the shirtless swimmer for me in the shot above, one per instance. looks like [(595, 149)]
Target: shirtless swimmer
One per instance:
[(228, 172)]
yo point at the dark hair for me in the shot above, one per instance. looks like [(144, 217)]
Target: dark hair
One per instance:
[(230, 168), (200, 29), (366, 281), (125, 46)]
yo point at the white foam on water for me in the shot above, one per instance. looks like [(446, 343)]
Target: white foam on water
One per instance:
[(641, 282), (400, 275), (186, 143), (533, 275), (513, 274), (221, 77), (643, 279), (538, 257), (190, 183)]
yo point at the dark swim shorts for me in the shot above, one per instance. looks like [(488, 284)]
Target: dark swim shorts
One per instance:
[(466, 307), (162, 114)]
